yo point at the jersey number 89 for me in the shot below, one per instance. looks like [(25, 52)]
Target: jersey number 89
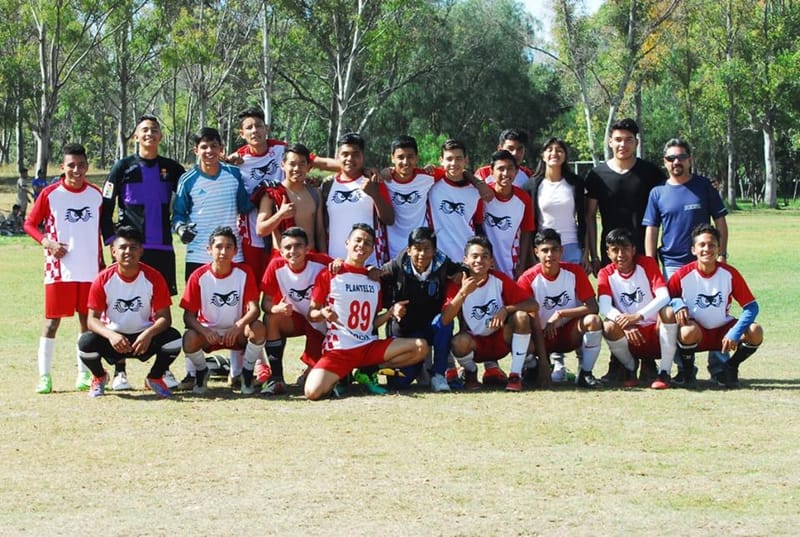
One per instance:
[(360, 315)]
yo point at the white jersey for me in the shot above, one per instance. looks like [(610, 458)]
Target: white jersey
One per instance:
[(219, 301), (480, 305), (355, 299), (257, 169), (631, 292), (570, 289), (503, 222), (708, 297), (410, 202), (280, 282), (455, 210)]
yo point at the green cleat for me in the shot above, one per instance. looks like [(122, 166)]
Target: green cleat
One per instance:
[(45, 384), (83, 381), (370, 381)]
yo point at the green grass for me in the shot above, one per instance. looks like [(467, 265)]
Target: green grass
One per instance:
[(555, 462)]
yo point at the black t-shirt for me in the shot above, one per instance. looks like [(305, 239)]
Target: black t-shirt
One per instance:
[(622, 197)]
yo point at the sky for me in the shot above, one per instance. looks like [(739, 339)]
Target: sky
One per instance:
[(542, 10)]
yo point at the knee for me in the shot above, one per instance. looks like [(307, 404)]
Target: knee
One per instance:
[(755, 334), (313, 393), (421, 348), (667, 315), (258, 332), (689, 334), (522, 322), (461, 344), (592, 323), (612, 331), (192, 341)]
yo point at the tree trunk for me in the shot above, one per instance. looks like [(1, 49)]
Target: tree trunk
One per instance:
[(266, 76), (770, 175), (637, 106), (18, 115)]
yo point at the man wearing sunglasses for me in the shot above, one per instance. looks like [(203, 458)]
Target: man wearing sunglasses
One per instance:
[(677, 206)]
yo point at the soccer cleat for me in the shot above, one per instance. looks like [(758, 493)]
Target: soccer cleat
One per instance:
[(470, 380), (585, 379), (97, 385), (454, 379), (718, 380), (261, 372), (234, 382), (248, 390), (83, 381), (731, 376), (629, 379), (274, 386), (439, 383), (301, 380), (647, 370), (159, 386), (514, 383), (170, 380), (559, 373), (661, 382), (390, 372), (188, 383), (494, 376), (370, 382), (45, 384), (120, 382)]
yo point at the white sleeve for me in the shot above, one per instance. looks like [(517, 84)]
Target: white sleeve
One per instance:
[(607, 309), (650, 311)]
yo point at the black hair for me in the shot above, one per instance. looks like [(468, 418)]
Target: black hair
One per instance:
[(147, 117), (352, 138), (620, 236), (452, 144), (542, 166), (546, 235), (295, 232), (504, 155), (207, 134), (298, 149), (678, 142), (479, 240), (518, 135), (223, 231), (700, 229), (129, 233), (74, 149), (404, 142), (626, 124), (251, 112), (421, 234), (366, 228)]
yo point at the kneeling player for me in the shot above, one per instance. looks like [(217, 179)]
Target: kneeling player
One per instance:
[(348, 302), (702, 293), (633, 298), (221, 310), (129, 316), (287, 286), (567, 306), (494, 316)]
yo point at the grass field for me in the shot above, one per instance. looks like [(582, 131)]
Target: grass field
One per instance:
[(554, 462)]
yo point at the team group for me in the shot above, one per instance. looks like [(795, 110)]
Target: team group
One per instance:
[(506, 250)]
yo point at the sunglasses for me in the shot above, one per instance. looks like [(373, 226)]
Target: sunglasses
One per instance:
[(681, 157)]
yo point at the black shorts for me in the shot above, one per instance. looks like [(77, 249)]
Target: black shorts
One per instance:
[(164, 262)]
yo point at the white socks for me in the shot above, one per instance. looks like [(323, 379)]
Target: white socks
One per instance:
[(519, 350), (620, 349), (668, 338), (591, 349), (47, 349)]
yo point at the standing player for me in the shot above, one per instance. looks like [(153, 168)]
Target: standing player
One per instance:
[(220, 310), (287, 285), (140, 188), (508, 219), (349, 303), (130, 316), (702, 292), (69, 212), (633, 298), (514, 141), (567, 306), (292, 202), (495, 316), (352, 198)]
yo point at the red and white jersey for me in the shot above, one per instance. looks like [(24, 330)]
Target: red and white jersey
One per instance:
[(280, 282), (348, 204), (571, 288), (503, 222), (128, 306), (71, 217), (454, 211), (257, 169), (410, 202), (631, 292), (355, 299), (480, 306), (219, 301), (523, 174), (708, 297)]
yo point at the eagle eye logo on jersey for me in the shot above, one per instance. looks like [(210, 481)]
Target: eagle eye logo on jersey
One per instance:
[(450, 207), (348, 196), (634, 297), (503, 223), (551, 302), (398, 198), (486, 310), (77, 215), (265, 172), (708, 301), (133, 305), (230, 299), (301, 294)]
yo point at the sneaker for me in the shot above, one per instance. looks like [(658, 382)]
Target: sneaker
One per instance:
[(97, 387), (731, 376), (301, 380), (261, 373), (170, 380), (514, 383), (494, 376), (661, 382), (83, 381), (120, 382), (234, 382), (470, 380), (453, 379), (648, 371), (188, 383), (680, 378), (615, 372), (718, 380), (629, 379), (559, 373), (45, 384), (158, 386), (370, 381), (275, 386), (439, 383), (248, 390), (586, 380)]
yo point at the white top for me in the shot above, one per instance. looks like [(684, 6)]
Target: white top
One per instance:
[(557, 209)]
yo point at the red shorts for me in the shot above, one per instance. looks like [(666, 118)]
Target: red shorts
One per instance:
[(314, 338), (218, 347), (63, 299), (563, 341), (340, 362), (651, 347), (255, 257), (492, 347), (712, 337)]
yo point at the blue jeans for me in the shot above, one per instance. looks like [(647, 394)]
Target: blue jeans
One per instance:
[(572, 253), (438, 335)]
